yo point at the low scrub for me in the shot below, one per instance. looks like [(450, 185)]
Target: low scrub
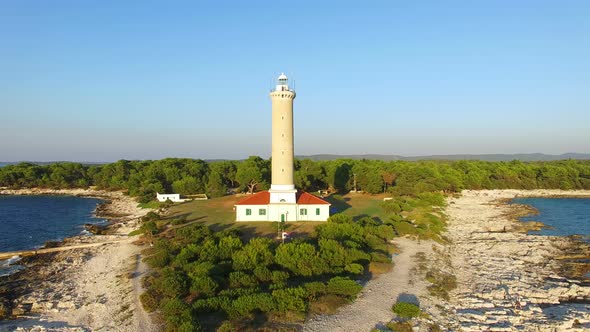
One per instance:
[(441, 283), (406, 310)]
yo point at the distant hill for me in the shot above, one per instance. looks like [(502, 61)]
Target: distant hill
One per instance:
[(88, 163), (484, 157), (385, 157)]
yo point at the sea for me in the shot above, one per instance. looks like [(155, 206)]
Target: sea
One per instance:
[(563, 216), (27, 222)]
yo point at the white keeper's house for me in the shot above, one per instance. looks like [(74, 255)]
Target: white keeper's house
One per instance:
[(282, 202)]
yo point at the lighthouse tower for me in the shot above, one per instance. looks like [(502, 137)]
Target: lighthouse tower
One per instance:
[(282, 189), (282, 202)]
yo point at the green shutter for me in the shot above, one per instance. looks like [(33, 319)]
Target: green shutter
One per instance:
[(317, 211), (248, 212)]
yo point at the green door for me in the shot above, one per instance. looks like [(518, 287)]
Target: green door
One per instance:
[(282, 218)]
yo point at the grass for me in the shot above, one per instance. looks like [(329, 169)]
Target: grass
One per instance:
[(150, 205), (359, 205), (219, 214)]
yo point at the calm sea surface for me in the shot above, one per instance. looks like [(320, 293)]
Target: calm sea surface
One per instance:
[(566, 216), (26, 222)]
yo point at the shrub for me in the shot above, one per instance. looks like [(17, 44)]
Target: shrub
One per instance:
[(340, 218), (149, 300), (262, 273), (151, 216), (354, 268), (314, 288), (178, 221), (343, 286), (376, 268), (159, 259), (176, 312), (442, 283), (256, 253), (406, 310), (290, 299), (327, 304), (244, 305), (300, 258), (172, 283), (240, 279), (203, 286), (400, 326)]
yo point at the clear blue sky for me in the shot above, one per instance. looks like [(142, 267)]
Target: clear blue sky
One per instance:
[(105, 80)]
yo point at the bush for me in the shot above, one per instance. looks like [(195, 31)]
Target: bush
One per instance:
[(178, 221), (406, 310), (290, 299), (314, 288), (343, 286), (172, 283), (203, 286), (159, 259), (400, 326), (151, 216), (240, 280), (354, 268), (149, 300)]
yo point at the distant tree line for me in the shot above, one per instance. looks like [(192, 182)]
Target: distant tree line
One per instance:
[(190, 176)]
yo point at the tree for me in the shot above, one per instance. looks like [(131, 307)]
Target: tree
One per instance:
[(252, 172), (215, 186)]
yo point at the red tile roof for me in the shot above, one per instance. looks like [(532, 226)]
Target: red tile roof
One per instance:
[(263, 198), (306, 198), (260, 198)]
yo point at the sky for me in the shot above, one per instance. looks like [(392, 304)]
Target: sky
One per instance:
[(108, 80)]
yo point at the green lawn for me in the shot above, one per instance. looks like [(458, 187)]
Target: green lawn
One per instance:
[(219, 214), (359, 205)]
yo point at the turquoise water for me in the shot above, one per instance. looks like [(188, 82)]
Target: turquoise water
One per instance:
[(27, 222), (565, 216)]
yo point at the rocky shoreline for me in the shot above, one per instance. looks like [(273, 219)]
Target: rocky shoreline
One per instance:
[(85, 287), (509, 280)]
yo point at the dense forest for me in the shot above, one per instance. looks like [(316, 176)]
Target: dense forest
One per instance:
[(190, 176)]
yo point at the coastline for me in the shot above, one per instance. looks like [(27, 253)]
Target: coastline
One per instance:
[(508, 279), (87, 282)]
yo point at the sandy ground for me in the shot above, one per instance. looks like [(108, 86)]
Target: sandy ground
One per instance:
[(94, 287)]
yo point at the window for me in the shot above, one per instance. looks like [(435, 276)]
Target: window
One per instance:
[(317, 211), (248, 212), (262, 212), (303, 212)]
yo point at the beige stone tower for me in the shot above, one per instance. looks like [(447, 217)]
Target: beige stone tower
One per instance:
[(282, 189)]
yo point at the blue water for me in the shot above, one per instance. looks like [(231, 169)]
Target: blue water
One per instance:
[(26, 222), (566, 216)]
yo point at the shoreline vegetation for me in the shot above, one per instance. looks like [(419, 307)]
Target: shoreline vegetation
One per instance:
[(207, 273), (81, 282)]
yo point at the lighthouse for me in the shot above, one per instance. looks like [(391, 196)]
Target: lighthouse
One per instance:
[(282, 189), (282, 202)]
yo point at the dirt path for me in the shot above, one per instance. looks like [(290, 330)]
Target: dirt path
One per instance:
[(143, 322), (22, 253), (373, 306)]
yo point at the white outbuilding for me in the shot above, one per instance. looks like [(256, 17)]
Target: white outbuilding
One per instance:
[(172, 197)]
